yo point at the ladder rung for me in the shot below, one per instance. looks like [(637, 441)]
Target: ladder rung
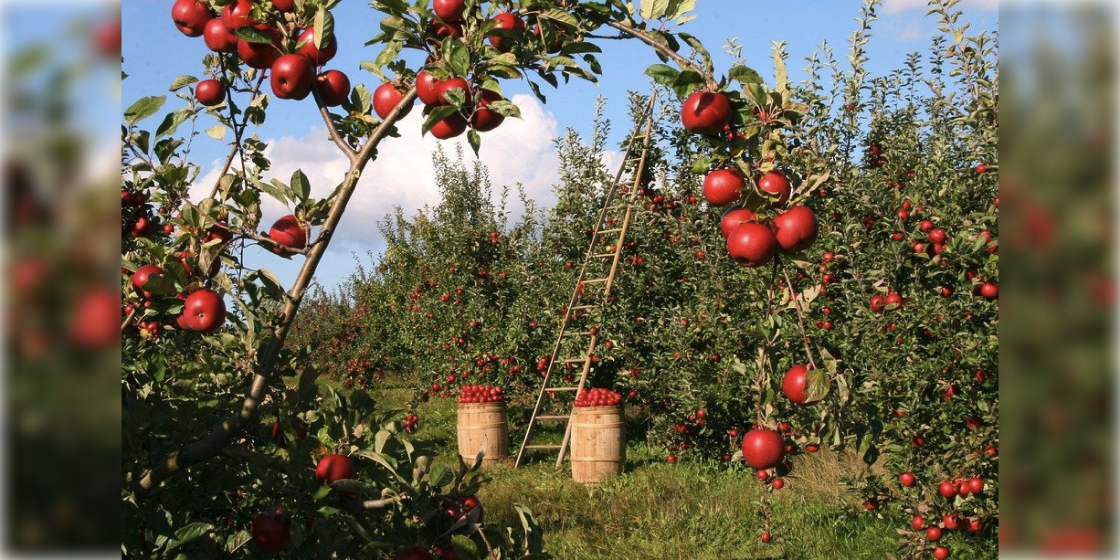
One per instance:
[(542, 447), (602, 255), (575, 360), (586, 333), (595, 281), (563, 389), (564, 418), (582, 307), (606, 231)]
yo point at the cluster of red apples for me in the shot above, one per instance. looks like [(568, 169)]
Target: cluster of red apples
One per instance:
[(750, 241), (291, 54), (949, 522), (472, 394), (598, 397)]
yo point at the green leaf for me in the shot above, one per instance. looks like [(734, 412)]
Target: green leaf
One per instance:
[(253, 35), (465, 547), (817, 385), (217, 131), (663, 74), (440, 476), (475, 140), (28, 60), (172, 121), (300, 185), (744, 75), (380, 439), (143, 108), (188, 533), (182, 82)]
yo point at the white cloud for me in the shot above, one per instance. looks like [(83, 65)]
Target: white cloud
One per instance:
[(899, 6), (519, 151)]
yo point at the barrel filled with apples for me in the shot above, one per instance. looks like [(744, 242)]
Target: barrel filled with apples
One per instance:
[(598, 436), (482, 424)]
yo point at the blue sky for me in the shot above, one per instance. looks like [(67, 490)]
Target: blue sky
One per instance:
[(155, 53)]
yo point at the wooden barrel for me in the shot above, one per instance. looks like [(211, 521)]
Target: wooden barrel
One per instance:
[(482, 427), (598, 443)]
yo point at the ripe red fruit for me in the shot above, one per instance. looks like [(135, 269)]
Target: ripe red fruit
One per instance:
[(776, 185), (906, 479), (469, 504), (878, 304), (449, 10), (287, 231), (260, 55), (976, 485), (705, 112), (333, 86), (795, 229), (974, 525), (950, 522), (989, 290), (917, 522), (450, 127), (93, 323), (292, 77), (893, 299), (947, 489), (762, 448), (210, 92), (812, 448), (766, 537), (483, 119), (509, 22), (732, 218), (271, 531), (191, 17), (752, 244), (284, 6), (722, 186), (793, 384), (334, 467), (141, 276), (936, 235), (940, 553), (871, 505), (317, 56), (427, 88), (925, 226), (237, 14), (981, 168), (452, 84), (203, 311), (671, 458), (762, 475), (933, 533), (777, 484), (218, 38), (386, 97)]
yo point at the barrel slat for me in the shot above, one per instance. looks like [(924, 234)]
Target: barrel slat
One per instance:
[(483, 426)]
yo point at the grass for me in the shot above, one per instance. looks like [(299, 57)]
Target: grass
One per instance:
[(659, 510)]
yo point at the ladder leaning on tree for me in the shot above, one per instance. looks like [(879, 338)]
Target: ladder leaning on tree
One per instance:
[(639, 142)]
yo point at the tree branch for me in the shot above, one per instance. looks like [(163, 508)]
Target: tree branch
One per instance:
[(800, 319), (237, 134), (210, 445), (676, 57), (331, 129)]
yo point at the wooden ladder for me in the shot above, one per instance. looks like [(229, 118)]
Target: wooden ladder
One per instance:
[(639, 139)]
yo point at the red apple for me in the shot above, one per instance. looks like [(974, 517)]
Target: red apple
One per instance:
[(334, 467), (210, 92), (449, 10), (334, 87), (894, 300), (317, 56), (976, 485), (940, 553), (766, 537), (453, 84), (917, 522), (191, 17), (752, 244), (906, 479), (723, 186), (271, 531), (762, 448), (449, 127), (218, 38), (284, 6), (947, 489), (142, 275), (260, 55), (203, 311), (93, 322), (386, 98), (795, 229), (776, 185), (415, 553), (732, 218), (937, 235), (793, 384), (925, 226), (289, 232), (950, 521), (509, 22), (933, 533), (483, 119), (427, 88), (705, 112), (878, 304), (237, 15), (989, 290), (292, 77)]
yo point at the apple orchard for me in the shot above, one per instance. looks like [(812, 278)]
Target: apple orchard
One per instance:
[(811, 265)]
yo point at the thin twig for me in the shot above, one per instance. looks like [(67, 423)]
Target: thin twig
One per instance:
[(128, 320), (378, 504), (676, 57), (237, 134), (800, 319)]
